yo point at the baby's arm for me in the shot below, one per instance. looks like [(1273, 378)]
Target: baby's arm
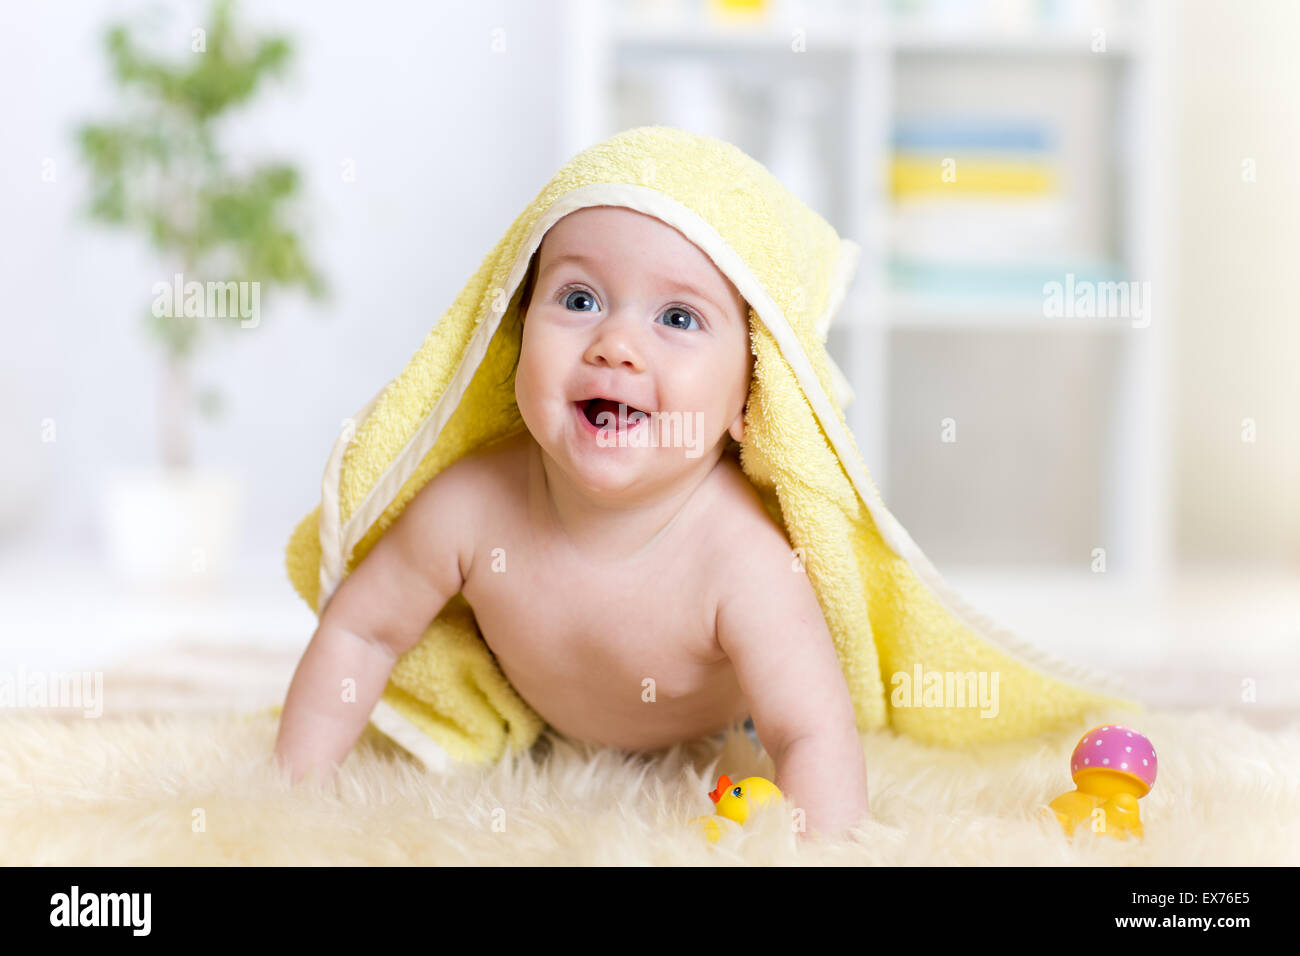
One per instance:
[(378, 613), (772, 629)]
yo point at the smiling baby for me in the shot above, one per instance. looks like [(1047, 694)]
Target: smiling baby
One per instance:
[(613, 541)]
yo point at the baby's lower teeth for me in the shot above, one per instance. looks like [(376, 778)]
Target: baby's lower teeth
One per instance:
[(604, 417)]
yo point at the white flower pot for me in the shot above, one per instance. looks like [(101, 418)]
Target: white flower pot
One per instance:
[(173, 527)]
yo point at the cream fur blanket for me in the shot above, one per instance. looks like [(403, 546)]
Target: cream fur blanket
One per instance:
[(202, 790)]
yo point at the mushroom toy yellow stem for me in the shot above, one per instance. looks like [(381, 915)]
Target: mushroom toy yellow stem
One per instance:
[(1113, 767)]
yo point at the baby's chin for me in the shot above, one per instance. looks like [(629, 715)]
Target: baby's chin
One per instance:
[(617, 473), (623, 476), (616, 476)]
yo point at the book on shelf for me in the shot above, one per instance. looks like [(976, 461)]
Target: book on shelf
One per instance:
[(978, 210), (972, 156), (981, 282)]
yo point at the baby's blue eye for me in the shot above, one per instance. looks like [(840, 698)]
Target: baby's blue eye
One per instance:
[(689, 318), (568, 299)]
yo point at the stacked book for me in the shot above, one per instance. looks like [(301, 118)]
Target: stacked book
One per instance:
[(979, 212)]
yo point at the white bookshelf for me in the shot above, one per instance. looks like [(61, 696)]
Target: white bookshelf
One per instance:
[(866, 59)]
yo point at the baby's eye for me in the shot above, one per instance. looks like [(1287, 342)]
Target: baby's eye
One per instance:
[(569, 299), (682, 312)]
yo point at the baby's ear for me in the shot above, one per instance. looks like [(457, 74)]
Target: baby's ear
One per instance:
[(737, 429)]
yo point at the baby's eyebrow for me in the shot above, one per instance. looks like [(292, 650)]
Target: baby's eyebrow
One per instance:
[(678, 284)]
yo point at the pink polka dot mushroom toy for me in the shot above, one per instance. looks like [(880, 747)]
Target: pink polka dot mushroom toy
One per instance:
[(1113, 766)]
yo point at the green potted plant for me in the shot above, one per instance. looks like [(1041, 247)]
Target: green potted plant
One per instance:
[(224, 242)]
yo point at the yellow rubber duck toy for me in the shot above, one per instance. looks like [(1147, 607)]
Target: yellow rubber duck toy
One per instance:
[(734, 801), (1113, 767)]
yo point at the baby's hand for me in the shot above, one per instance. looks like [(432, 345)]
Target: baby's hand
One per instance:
[(772, 629), (828, 773)]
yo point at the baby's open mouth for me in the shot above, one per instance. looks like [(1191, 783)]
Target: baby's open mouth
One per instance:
[(594, 408)]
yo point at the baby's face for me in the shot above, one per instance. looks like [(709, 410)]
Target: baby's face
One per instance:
[(625, 307)]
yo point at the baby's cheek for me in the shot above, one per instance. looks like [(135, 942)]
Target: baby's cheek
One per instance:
[(531, 372)]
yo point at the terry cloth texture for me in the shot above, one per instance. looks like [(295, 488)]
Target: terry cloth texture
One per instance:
[(905, 639)]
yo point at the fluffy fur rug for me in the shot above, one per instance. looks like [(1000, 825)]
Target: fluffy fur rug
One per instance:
[(202, 790)]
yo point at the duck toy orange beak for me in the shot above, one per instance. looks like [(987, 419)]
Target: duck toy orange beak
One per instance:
[(724, 784)]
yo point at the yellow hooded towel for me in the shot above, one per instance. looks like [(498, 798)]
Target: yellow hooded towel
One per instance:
[(907, 643)]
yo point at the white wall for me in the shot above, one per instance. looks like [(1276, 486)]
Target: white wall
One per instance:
[(1237, 311), (450, 140)]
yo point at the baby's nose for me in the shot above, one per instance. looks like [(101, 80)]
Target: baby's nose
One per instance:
[(617, 342)]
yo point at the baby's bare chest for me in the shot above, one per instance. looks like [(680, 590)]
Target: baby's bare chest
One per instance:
[(624, 653), (628, 658), (553, 616)]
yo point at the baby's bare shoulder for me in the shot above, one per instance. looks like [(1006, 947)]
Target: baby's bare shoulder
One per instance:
[(495, 468), (452, 511), (463, 492), (741, 528), (758, 592)]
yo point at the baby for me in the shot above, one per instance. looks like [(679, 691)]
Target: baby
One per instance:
[(628, 564)]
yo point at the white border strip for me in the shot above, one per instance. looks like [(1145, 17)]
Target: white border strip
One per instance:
[(331, 557), (410, 737)]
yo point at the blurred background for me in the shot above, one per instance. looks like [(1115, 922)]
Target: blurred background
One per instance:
[(1072, 338)]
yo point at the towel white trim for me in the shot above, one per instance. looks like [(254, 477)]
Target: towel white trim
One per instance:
[(342, 539), (410, 737), (331, 555)]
